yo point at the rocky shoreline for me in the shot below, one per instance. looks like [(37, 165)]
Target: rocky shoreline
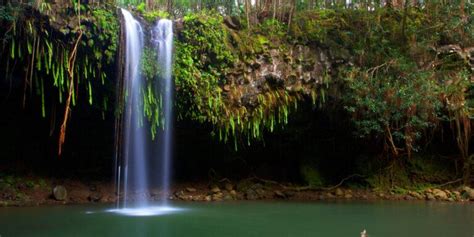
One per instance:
[(75, 192), (258, 191)]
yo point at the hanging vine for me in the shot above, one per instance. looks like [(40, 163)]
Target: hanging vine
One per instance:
[(37, 46)]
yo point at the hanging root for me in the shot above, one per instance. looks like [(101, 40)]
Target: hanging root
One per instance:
[(71, 63)]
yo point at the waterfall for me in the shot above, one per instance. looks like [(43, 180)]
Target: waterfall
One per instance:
[(141, 163), (133, 166), (163, 39)]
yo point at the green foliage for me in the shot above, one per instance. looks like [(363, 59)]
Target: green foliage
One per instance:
[(43, 51), (9, 13), (150, 68), (141, 7), (391, 91), (395, 100), (202, 58), (151, 15), (107, 30), (152, 101), (206, 51), (314, 26)]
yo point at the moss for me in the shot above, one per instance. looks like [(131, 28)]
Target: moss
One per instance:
[(206, 52)]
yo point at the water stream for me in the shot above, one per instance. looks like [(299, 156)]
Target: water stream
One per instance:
[(163, 39), (133, 172), (144, 165)]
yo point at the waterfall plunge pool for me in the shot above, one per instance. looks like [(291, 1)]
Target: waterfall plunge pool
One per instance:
[(338, 219)]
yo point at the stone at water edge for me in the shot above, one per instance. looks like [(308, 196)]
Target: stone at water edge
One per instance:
[(430, 197), (468, 193), (339, 192), (415, 195), (217, 196), (60, 193), (228, 197), (215, 189), (229, 187), (279, 194), (191, 190), (250, 194), (330, 195), (440, 194)]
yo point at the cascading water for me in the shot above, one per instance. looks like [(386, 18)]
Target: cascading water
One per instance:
[(138, 158), (163, 39), (133, 168)]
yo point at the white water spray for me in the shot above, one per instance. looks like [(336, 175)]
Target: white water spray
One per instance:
[(163, 39), (133, 168)]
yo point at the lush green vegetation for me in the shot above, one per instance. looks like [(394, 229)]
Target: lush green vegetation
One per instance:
[(37, 45), (402, 74), (400, 87)]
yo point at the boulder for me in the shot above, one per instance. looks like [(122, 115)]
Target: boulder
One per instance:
[(215, 189), (430, 197), (217, 196), (415, 195), (260, 192), (339, 192), (229, 187), (440, 194), (457, 195), (191, 190), (250, 194), (409, 197), (228, 197), (179, 195), (60, 193), (279, 194), (468, 193)]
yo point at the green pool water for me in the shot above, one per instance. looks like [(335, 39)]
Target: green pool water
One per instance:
[(381, 219)]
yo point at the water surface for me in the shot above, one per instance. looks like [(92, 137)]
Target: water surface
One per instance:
[(384, 219)]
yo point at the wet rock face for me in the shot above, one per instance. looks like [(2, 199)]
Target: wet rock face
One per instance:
[(300, 69)]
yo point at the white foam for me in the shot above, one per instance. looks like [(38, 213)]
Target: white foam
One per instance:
[(146, 211)]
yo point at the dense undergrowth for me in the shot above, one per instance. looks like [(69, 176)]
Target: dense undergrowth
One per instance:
[(396, 86), (407, 73)]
